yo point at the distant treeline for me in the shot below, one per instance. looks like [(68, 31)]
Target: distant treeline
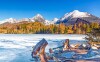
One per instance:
[(40, 28)]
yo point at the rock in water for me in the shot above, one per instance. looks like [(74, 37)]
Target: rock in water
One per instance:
[(40, 48), (39, 45)]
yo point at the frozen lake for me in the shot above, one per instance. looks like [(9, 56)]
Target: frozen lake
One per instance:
[(18, 47)]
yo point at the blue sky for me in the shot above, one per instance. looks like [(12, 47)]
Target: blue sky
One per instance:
[(48, 8)]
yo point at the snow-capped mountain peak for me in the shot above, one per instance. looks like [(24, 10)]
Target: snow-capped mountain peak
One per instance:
[(38, 16), (25, 19), (75, 14), (55, 19), (68, 18), (47, 22), (10, 20)]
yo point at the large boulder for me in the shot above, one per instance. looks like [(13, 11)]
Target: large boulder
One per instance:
[(39, 46)]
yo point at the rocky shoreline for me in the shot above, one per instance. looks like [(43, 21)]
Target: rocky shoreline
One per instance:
[(65, 53)]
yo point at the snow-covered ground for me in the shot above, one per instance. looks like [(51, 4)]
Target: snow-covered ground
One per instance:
[(18, 47)]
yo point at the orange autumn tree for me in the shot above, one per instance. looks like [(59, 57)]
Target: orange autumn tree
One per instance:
[(38, 27), (62, 28)]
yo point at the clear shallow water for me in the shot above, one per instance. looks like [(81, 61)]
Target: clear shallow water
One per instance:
[(18, 47)]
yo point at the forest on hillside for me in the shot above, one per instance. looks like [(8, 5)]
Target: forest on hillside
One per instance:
[(40, 28)]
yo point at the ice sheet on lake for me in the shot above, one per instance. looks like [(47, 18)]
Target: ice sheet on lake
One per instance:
[(6, 56), (18, 46)]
